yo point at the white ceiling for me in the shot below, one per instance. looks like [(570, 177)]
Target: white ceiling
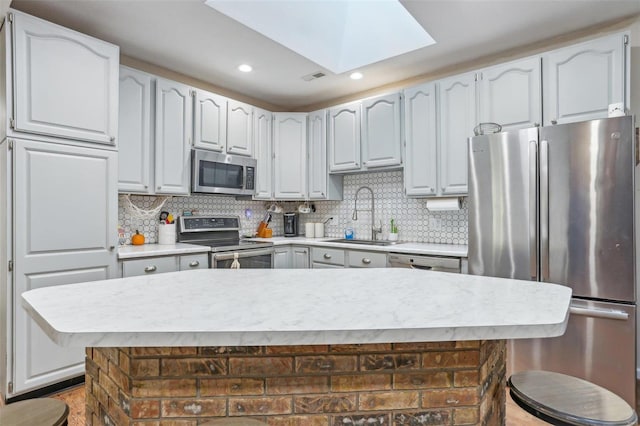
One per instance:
[(188, 37)]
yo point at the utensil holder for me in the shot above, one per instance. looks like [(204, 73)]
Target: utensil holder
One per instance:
[(309, 230), (167, 233)]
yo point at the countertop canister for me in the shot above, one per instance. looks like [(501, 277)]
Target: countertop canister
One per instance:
[(309, 230), (319, 230)]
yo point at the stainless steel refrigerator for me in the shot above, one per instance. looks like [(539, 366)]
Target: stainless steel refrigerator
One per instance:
[(556, 204)]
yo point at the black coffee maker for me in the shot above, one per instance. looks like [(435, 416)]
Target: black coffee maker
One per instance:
[(290, 224)]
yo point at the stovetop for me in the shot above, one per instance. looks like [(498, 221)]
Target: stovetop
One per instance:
[(221, 233)]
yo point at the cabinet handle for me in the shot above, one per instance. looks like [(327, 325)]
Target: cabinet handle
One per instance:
[(194, 263), (158, 188), (151, 268), (112, 139), (554, 121), (327, 256), (366, 260), (112, 248), (536, 124), (322, 193), (146, 187)]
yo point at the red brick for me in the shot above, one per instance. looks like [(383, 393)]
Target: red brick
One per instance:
[(194, 407), (459, 359), (397, 400), (456, 397), (259, 406), (327, 403), (163, 388), (260, 366), (297, 385), (186, 367), (422, 380), (326, 363), (231, 386), (360, 382)]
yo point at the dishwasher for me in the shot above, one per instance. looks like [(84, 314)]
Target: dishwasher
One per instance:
[(428, 263)]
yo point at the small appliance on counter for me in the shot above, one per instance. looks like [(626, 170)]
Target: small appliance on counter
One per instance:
[(290, 224)]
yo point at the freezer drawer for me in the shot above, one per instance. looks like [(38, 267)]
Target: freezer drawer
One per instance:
[(598, 346)]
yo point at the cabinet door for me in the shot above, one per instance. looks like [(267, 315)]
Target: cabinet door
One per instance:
[(264, 154), (344, 138), (581, 81), (210, 121), (282, 258), (194, 261), (64, 233), (290, 156), (149, 266), (318, 154), (239, 128), (381, 131), (134, 131), (511, 94), (457, 119), (65, 83), (173, 137), (420, 169), (300, 257)]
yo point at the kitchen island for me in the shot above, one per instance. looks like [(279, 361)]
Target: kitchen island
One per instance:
[(298, 347)]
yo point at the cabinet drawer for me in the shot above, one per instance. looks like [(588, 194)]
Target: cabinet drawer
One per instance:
[(318, 265), (327, 255), (149, 266), (194, 261), (367, 259)]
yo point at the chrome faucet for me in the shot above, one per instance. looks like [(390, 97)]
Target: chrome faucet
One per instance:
[(374, 230)]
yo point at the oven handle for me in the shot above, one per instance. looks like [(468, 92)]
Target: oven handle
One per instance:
[(241, 254)]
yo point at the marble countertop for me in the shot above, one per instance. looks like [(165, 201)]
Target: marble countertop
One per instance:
[(457, 250), (224, 307), (147, 250)]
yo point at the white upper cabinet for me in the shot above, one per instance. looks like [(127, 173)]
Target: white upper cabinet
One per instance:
[(65, 83), (421, 165), (344, 137), (322, 185), (174, 115), (210, 121), (264, 154), (511, 94), (457, 96), (134, 131), (381, 131), (290, 155), (239, 128), (581, 81)]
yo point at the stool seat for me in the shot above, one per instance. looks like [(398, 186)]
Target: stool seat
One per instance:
[(35, 412), (234, 421), (567, 400)]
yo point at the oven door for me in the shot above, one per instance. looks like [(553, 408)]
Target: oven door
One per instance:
[(249, 259)]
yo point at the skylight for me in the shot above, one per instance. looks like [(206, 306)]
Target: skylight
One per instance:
[(339, 35)]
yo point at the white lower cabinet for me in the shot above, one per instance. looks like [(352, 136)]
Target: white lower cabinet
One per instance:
[(300, 257), (282, 257), (50, 250), (161, 264), (366, 259), (328, 257), (291, 257)]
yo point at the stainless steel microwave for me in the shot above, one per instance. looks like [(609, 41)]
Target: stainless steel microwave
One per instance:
[(217, 173)]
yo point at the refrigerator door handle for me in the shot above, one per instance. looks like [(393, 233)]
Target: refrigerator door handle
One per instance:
[(544, 210), (599, 313), (533, 208)]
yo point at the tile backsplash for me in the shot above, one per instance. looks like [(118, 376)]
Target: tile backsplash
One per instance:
[(414, 221)]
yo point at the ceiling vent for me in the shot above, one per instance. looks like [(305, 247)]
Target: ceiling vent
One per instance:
[(313, 76)]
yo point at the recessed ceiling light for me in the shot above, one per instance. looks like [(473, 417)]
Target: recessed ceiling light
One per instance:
[(356, 75), (245, 68)]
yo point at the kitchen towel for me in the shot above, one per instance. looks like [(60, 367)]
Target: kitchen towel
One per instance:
[(442, 204)]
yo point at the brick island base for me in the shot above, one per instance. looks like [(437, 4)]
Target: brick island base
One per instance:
[(443, 383)]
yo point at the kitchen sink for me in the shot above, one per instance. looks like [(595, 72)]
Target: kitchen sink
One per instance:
[(364, 242)]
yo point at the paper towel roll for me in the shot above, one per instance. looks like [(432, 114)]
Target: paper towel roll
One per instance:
[(442, 204)]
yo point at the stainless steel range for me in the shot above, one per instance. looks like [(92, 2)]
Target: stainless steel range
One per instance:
[(222, 234)]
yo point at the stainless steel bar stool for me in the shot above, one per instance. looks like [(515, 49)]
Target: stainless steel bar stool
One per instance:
[(566, 400), (234, 421), (35, 412)]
